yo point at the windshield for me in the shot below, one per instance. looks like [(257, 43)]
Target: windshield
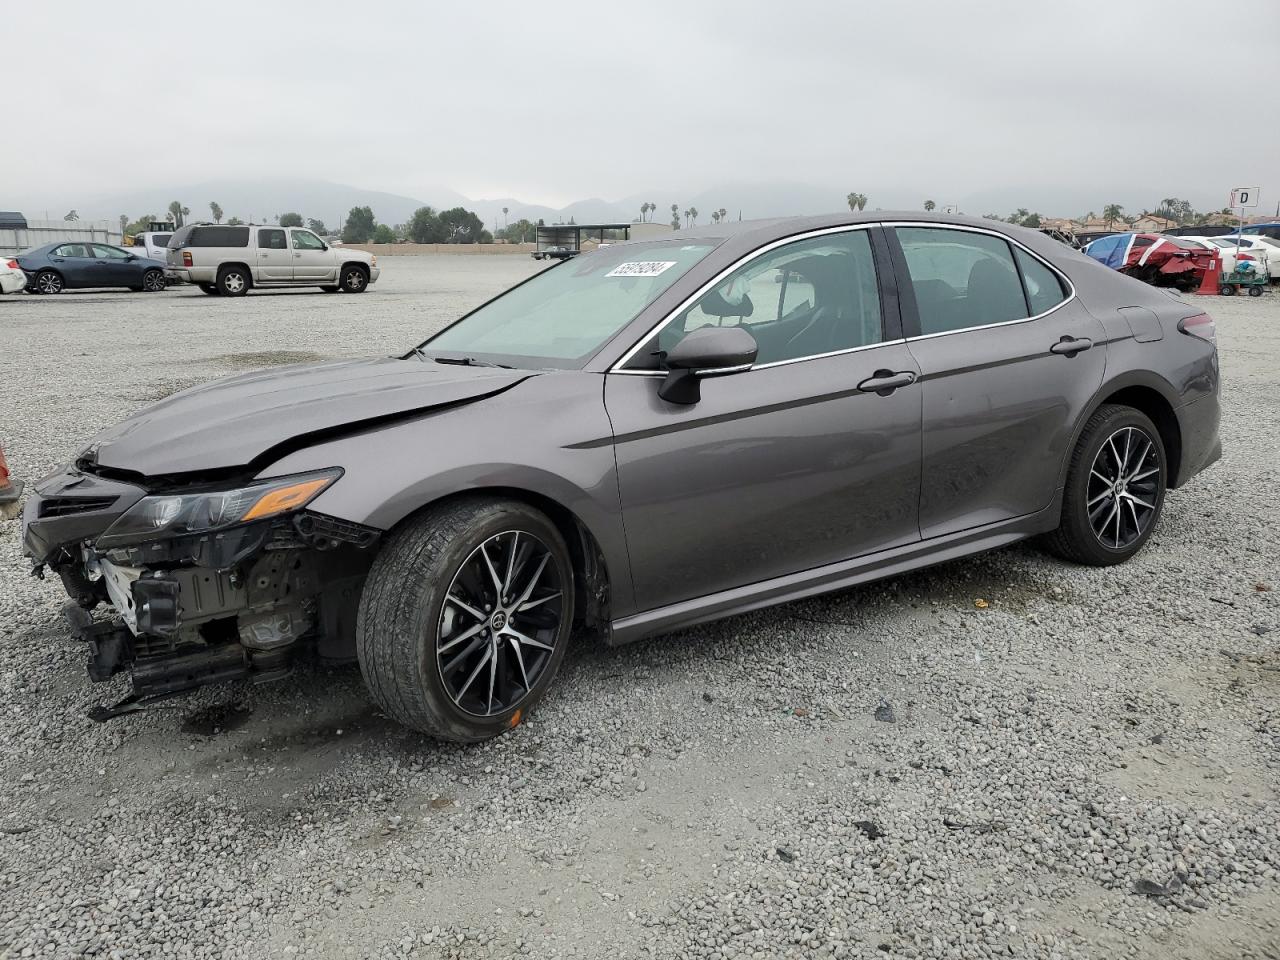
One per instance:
[(563, 315)]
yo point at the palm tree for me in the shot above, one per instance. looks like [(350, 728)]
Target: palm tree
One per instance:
[(693, 212), (715, 216), (857, 201), (929, 205), (175, 212), (723, 213), (644, 211), (216, 210), (124, 222), (186, 212), (504, 218), (1112, 212)]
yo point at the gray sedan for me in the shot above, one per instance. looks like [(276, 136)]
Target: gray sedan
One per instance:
[(645, 437)]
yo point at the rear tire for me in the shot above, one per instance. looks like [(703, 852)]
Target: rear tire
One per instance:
[(1115, 489), (1255, 291), (1227, 290), (48, 281), (442, 649), (153, 281), (355, 279), (234, 281)]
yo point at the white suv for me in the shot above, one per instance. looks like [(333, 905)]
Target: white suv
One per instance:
[(231, 259)]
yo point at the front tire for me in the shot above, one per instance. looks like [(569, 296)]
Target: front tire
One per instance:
[(48, 281), (234, 281), (1116, 483), (465, 618), (355, 279)]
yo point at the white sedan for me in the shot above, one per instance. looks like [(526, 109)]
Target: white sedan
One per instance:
[(1226, 248), (1255, 242), (12, 277)]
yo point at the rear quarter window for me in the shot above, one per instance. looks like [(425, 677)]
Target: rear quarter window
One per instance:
[(218, 237)]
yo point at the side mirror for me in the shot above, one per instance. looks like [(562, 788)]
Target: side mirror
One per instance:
[(706, 352), (133, 256)]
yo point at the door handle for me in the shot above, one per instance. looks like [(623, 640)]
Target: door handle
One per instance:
[(1070, 346), (884, 382), (264, 255), (297, 254)]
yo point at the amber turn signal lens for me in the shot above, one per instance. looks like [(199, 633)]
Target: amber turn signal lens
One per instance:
[(286, 498)]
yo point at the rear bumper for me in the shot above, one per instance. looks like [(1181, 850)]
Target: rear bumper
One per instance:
[(12, 281), (1198, 423)]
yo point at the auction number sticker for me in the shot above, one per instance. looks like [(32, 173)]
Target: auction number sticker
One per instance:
[(641, 268)]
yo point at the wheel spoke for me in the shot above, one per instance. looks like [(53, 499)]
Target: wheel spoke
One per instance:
[(1102, 496), (1137, 525), (488, 655), (533, 603), (1106, 480), (533, 581), (515, 646), (507, 582), (516, 634), (1137, 464), (493, 674), (449, 668), (497, 582), (464, 635), (464, 606), (1142, 476), (1140, 502)]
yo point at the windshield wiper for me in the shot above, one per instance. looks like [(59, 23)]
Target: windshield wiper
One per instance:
[(461, 361), (470, 361)]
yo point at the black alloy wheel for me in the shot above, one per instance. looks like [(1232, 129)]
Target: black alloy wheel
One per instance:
[(153, 281), (465, 617), (1115, 487), (1124, 488), (499, 623)]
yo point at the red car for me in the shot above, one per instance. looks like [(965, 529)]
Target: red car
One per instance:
[(10, 491), (1155, 259)]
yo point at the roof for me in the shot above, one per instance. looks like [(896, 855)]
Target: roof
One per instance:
[(585, 226)]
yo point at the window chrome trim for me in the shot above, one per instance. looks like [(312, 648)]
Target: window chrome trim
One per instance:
[(737, 265), (965, 228), (776, 363)]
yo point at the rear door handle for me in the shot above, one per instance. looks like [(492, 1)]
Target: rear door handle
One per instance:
[(1070, 346), (884, 382)]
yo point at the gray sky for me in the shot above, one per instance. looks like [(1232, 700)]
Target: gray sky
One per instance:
[(552, 102)]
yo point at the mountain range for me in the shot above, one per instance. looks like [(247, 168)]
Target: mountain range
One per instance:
[(264, 200)]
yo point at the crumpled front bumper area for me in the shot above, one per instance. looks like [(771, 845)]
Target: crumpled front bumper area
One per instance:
[(239, 603)]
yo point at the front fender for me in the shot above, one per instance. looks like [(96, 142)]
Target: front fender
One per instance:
[(549, 436)]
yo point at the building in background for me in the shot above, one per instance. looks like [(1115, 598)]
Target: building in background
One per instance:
[(17, 233)]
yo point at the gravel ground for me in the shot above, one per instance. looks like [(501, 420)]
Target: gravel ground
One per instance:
[(1084, 764)]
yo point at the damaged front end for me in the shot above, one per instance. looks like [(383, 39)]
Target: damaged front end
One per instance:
[(209, 581)]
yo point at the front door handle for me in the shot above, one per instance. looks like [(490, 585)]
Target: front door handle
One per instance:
[(1070, 346), (884, 382)]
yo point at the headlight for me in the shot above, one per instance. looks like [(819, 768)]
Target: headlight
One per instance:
[(180, 514)]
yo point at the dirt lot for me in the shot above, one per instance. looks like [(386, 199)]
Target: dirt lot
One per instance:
[(1086, 764)]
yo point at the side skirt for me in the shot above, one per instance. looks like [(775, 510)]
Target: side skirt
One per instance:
[(834, 576)]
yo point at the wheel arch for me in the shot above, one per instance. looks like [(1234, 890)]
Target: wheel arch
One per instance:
[(54, 270), (1150, 395), (368, 272), (592, 578), (234, 263)]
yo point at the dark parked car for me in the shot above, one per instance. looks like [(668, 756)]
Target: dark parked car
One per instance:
[(648, 436), (67, 265)]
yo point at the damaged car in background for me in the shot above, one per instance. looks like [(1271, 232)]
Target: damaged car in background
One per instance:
[(648, 436)]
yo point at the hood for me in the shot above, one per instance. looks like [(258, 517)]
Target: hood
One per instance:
[(251, 420)]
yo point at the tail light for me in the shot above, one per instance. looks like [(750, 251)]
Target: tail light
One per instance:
[(1201, 325), (5, 482), (12, 265), (186, 258), (1245, 256)]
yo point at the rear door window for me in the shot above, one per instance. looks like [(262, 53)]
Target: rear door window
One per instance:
[(271, 240), (78, 250), (961, 279), (218, 237)]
